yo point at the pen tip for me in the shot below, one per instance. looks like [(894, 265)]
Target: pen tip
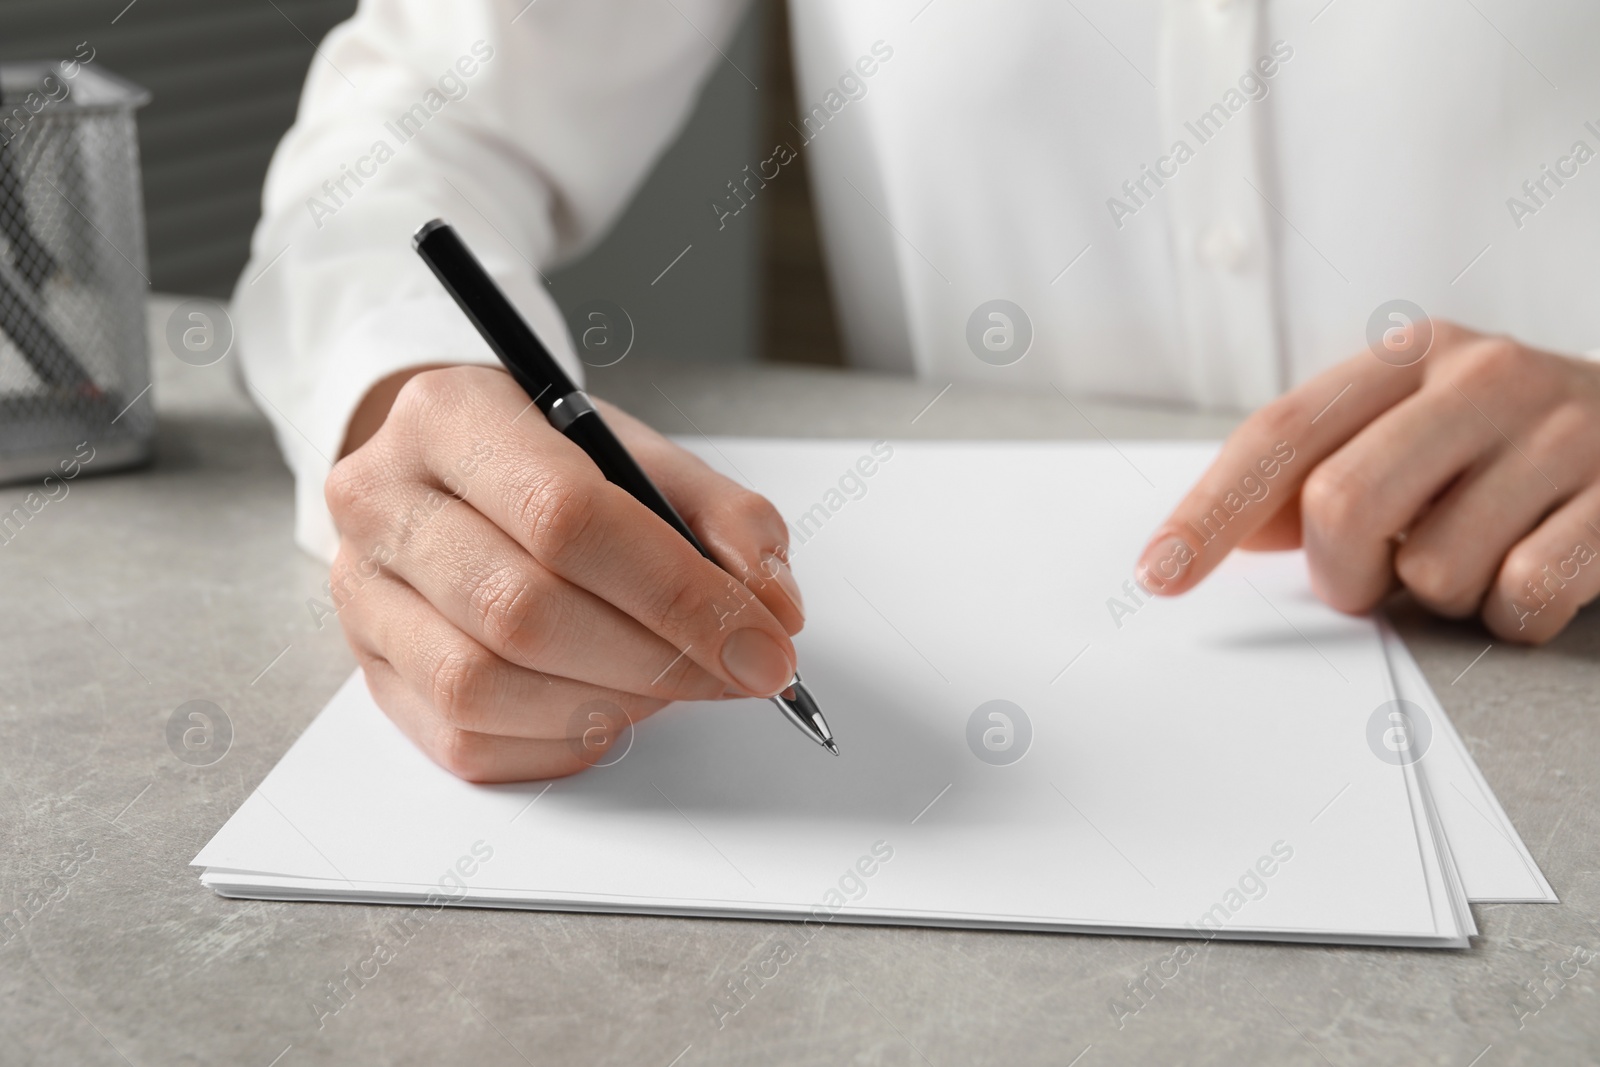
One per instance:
[(831, 746)]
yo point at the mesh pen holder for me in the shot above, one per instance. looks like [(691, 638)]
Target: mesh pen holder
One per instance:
[(74, 358)]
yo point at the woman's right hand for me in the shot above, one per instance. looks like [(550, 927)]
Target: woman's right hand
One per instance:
[(513, 610)]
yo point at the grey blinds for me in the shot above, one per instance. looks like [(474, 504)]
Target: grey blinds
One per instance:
[(224, 76)]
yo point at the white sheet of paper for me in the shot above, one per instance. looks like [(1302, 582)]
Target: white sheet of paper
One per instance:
[(1494, 864), (1179, 750)]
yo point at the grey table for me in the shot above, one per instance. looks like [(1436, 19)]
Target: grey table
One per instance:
[(141, 591)]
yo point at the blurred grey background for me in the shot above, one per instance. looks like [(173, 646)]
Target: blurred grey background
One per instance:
[(225, 76)]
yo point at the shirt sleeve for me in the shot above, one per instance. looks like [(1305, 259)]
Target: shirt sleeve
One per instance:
[(528, 125)]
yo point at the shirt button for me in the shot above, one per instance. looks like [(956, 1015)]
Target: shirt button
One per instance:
[(1223, 247)]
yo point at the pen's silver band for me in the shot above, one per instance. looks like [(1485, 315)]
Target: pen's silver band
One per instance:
[(569, 409)]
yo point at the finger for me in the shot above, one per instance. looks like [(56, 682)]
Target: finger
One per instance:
[(485, 585), (1279, 533), (1549, 574), (467, 686), (1452, 554), (473, 756), (741, 528), (1264, 463), (547, 495), (1457, 430), (1355, 503)]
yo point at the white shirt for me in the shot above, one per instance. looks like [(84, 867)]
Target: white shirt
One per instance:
[(1198, 202)]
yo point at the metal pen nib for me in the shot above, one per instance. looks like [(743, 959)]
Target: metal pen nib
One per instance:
[(800, 708)]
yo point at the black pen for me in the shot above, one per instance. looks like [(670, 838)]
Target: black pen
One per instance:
[(570, 411)]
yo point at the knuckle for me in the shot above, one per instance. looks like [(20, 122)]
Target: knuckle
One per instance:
[(347, 485), (507, 610), (684, 608), (1568, 432), (1494, 362), (1535, 602), (1279, 420), (462, 753), (1437, 582), (557, 516), (745, 510), (459, 683), (345, 582), (1520, 610), (1520, 572), (1331, 501), (422, 395)]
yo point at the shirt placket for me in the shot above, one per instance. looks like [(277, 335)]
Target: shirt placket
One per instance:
[(1217, 203)]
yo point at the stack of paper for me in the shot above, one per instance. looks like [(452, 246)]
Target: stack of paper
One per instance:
[(1028, 741)]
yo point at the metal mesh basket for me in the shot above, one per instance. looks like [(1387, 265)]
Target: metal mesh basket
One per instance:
[(74, 362)]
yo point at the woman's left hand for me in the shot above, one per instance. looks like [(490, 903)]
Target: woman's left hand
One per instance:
[(1461, 466)]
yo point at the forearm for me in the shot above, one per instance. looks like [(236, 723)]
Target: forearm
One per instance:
[(511, 130)]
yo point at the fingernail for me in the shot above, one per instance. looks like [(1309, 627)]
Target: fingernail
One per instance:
[(1163, 561), (780, 571), (756, 662)]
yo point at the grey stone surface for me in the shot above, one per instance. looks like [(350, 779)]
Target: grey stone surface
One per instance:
[(138, 592)]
